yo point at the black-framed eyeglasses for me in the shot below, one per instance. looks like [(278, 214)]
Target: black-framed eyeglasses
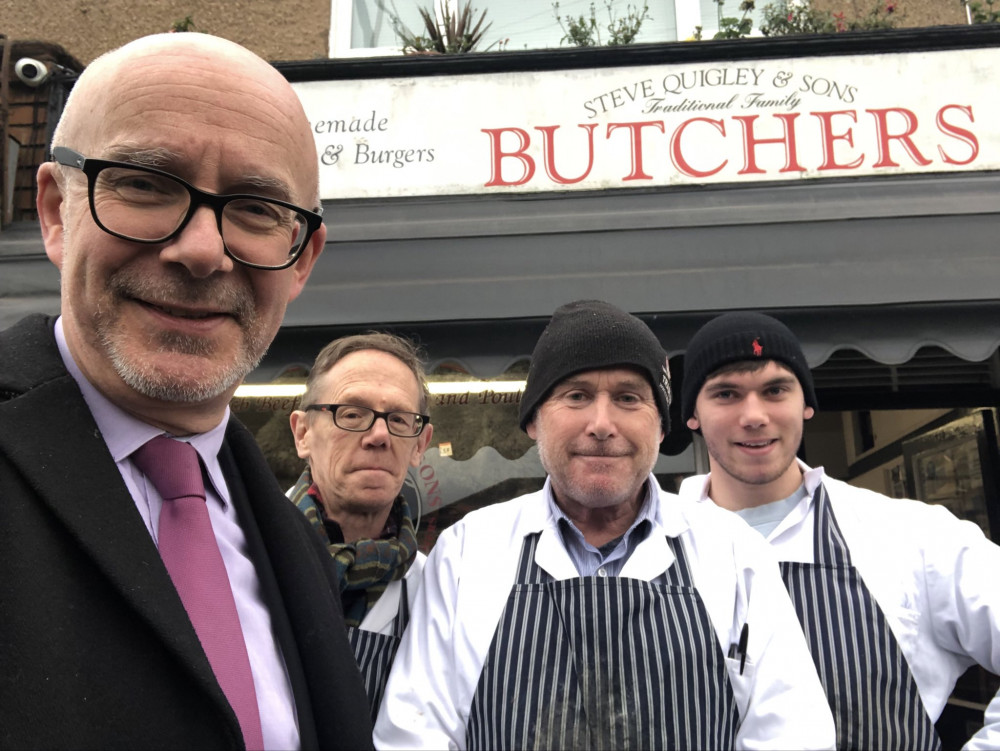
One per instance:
[(359, 419), (148, 205)]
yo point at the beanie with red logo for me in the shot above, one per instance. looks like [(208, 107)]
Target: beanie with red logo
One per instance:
[(738, 337)]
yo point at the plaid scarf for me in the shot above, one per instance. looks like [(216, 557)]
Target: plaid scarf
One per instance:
[(364, 567)]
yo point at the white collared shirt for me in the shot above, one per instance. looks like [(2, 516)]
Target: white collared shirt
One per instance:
[(932, 575), (469, 575)]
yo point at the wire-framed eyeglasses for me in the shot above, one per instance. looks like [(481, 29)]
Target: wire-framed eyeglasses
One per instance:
[(359, 419), (148, 205)]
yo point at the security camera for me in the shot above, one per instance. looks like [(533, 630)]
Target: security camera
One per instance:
[(31, 72)]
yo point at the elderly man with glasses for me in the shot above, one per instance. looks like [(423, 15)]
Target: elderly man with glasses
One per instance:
[(156, 588), (361, 426)]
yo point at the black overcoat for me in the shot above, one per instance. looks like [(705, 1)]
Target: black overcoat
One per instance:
[(96, 649)]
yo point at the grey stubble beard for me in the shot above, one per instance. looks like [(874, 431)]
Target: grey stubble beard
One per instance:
[(149, 382)]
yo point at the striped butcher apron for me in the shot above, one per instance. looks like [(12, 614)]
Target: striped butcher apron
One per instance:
[(374, 652), (603, 663), (869, 686)]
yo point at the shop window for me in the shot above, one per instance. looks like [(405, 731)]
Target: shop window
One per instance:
[(710, 11), (363, 27), (265, 409), (946, 457), (479, 455), (955, 466)]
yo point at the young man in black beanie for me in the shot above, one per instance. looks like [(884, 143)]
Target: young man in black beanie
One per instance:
[(896, 597), (600, 611)]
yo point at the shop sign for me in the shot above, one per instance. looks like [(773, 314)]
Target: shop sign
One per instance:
[(662, 125)]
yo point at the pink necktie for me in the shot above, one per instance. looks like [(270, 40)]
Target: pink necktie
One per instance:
[(191, 554)]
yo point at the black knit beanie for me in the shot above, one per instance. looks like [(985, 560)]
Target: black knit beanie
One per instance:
[(588, 335), (734, 337)]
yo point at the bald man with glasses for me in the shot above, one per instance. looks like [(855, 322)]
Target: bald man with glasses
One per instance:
[(156, 588)]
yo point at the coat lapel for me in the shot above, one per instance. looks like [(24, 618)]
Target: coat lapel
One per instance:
[(44, 426), (52, 441)]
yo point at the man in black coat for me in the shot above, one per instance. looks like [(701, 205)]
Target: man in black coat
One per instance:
[(182, 212)]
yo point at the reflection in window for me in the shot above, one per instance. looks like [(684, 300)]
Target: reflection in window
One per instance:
[(711, 11), (516, 25), (371, 25), (945, 467), (479, 455)]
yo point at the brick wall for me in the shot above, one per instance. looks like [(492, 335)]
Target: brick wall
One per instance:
[(274, 29)]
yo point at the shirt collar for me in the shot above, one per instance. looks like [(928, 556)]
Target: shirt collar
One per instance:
[(124, 434), (811, 479)]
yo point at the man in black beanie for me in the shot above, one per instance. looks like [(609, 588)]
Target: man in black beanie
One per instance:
[(600, 611), (896, 597)]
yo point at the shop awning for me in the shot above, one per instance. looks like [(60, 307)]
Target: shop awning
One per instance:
[(891, 335)]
